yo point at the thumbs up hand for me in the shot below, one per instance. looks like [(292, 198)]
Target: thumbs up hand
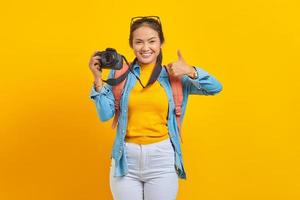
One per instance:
[(180, 67)]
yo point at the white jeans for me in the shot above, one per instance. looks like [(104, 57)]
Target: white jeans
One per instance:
[(151, 176)]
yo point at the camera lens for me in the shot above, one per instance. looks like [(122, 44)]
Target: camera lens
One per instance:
[(108, 57)]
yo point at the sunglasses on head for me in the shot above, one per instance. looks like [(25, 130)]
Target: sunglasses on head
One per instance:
[(134, 19)]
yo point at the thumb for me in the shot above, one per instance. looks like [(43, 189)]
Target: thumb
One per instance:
[(179, 55), (169, 66)]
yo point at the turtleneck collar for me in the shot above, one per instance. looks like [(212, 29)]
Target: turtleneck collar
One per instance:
[(147, 66)]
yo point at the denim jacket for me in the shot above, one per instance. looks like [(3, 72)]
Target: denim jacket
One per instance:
[(205, 84)]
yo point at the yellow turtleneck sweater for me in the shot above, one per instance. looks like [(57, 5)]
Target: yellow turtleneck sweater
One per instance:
[(147, 111)]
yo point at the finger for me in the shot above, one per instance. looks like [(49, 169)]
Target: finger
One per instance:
[(169, 67), (96, 57), (179, 55), (95, 53), (94, 62)]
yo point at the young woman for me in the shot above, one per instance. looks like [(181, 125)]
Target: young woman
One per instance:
[(146, 156)]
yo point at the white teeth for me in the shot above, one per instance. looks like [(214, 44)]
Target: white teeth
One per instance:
[(146, 54)]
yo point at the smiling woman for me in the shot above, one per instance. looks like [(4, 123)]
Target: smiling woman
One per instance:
[(146, 39), (146, 157), (146, 45)]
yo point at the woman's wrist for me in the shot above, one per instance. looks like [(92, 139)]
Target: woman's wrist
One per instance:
[(193, 72), (98, 83)]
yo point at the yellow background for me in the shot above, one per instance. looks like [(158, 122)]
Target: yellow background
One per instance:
[(240, 144)]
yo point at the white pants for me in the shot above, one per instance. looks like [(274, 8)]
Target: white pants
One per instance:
[(151, 176)]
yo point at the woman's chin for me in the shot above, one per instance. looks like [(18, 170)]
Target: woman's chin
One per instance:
[(146, 61)]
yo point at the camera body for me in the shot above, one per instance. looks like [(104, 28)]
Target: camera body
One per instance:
[(110, 59)]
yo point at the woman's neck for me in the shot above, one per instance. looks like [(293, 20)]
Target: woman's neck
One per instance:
[(146, 66)]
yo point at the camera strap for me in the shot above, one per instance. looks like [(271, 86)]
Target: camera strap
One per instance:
[(122, 77), (154, 75), (113, 81)]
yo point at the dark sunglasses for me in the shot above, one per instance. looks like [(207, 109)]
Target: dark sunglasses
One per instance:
[(144, 17)]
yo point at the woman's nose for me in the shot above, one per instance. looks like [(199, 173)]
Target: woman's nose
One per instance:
[(145, 47)]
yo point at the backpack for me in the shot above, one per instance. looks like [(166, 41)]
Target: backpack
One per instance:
[(176, 85)]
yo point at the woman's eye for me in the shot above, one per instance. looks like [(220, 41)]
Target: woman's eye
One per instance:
[(152, 41)]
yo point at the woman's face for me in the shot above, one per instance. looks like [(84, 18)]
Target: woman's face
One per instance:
[(146, 45)]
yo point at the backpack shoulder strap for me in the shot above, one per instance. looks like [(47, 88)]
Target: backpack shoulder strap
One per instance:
[(117, 92), (177, 90)]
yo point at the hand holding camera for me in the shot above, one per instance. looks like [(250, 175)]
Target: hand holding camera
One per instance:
[(94, 65), (108, 59)]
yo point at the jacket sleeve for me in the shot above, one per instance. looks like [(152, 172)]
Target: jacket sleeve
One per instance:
[(104, 100), (205, 84)]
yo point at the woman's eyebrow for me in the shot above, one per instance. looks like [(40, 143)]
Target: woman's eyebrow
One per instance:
[(148, 39), (152, 38)]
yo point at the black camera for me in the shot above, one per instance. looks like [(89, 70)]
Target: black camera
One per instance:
[(110, 59)]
